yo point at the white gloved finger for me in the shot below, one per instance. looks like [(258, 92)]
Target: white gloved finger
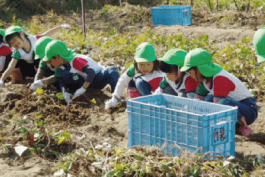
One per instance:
[(36, 84), (65, 26), (111, 103), (1, 83), (67, 97), (79, 92)]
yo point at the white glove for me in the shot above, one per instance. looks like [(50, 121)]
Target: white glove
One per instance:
[(79, 92), (111, 103), (36, 84), (67, 97), (65, 26), (1, 83)]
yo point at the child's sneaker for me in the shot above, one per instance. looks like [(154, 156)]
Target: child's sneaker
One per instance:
[(244, 129)]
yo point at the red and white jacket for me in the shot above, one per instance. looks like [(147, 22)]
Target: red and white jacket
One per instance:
[(227, 85)]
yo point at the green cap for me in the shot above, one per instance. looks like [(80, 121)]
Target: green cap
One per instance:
[(40, 46), (14, 29), (145, 52), (202, 59), (259, 44), (2, 32), (57, 47), (174, 57)]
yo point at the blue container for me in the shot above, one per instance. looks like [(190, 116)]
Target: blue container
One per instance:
[(171, 15), (189, 123)]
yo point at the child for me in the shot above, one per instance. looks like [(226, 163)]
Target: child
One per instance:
[(5, 52), (78, 70), (44, 70), (142, 77), (23, 56), (224, 88), (176, 82), (259, 44)]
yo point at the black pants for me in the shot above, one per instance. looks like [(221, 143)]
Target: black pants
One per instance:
[(27, 69)]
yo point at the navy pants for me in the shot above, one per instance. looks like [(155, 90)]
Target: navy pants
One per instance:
[(108, 75), (247, 107), (143, 87)]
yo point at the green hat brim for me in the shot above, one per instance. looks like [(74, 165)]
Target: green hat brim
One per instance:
[(261, 58), (38, 57), (185, 68), (45, 58), (169, 62), (141, 60), (210, 69)]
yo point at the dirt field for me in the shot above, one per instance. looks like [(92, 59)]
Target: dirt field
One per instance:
[(105, 125)]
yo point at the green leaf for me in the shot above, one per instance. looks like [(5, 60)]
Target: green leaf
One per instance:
[(119, 174), (39, 123), (119, 167), (1, 138), (61, 140), (245, 40), (94, 101), (138, 158), (66, 134), (119, 151), (6, 122), (39, 91), (111, 174), (39, 116), (23, 129), (60, 95)]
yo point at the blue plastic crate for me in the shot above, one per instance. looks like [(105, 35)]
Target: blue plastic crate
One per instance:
[(171, 15), (189, 123)]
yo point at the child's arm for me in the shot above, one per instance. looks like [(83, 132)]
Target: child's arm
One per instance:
[(201, 92), (222, 87), (55, 29), (39, 75), (9, 70), (2, 62), (163, 84)]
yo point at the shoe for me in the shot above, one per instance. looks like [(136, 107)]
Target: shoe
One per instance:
[(244, 129)]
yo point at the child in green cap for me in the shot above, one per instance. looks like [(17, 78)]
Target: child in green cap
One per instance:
[(142, 77), (259, 44), (176, 82), (79, 72), (44, 70), (223, 88), (5, 52), (24, 45)]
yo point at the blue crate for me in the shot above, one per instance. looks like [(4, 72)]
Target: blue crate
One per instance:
[(171, 15), (189, 123)]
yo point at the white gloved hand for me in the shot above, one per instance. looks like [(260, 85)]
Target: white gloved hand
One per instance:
[(67, 97), (36, 84), (65, 26), (79, 92), (111, 103), (1, 83)]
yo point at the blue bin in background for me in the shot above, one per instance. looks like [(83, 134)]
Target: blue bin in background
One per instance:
[(171, 15), (191, 124)]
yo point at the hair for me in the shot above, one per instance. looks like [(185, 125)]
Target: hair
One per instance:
[(167, 68), (1, 39), (16, 34), (156, 66), (195, 68)]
